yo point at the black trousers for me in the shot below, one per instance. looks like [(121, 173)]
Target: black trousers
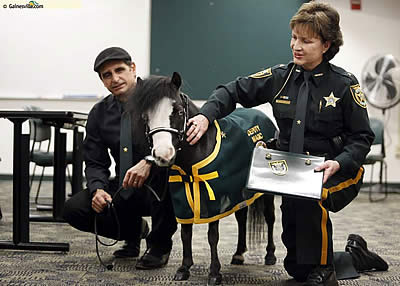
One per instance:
[(307, 236), (78, 213)]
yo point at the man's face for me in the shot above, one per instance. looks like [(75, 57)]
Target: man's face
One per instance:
[(118, 77)]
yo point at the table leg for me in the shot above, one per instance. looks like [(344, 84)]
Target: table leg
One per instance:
[(77, 176), (60, 151)]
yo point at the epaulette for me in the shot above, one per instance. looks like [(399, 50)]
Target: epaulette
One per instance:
[(280, 66), (343, 72)]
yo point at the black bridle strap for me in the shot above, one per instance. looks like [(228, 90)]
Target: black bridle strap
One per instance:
[(180, 133), (164, 129)]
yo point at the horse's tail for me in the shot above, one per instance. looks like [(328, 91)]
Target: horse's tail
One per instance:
[(256, 222)]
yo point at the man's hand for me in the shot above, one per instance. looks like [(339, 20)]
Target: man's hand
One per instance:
[(137, 175), (198, 126), (330, 167), (99, 200)]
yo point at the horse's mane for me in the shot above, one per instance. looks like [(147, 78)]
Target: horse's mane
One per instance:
[(149, 91), (143, 99)]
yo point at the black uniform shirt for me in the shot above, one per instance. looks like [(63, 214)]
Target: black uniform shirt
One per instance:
[(336, 107), (102, 138)]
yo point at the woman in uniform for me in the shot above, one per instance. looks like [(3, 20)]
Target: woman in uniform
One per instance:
[(319, 109)]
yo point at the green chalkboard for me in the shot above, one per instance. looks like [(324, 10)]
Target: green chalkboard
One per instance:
[(213, 42)]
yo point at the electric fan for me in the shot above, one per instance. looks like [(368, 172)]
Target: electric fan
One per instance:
[(380, 79)]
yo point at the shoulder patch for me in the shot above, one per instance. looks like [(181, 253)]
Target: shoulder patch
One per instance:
[(264, 73), (358, 95)]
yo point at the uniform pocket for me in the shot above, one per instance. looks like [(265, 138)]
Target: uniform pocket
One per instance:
[(330, 114), (284, 109)]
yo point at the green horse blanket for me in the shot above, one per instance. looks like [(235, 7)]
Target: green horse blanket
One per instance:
[(214, 187)]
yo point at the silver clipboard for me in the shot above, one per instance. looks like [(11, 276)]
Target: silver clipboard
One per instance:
[(285, 173)]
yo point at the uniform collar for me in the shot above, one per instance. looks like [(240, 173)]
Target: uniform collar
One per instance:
[(318, 73)]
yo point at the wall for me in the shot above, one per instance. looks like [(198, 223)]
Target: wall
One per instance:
[(49, 52)]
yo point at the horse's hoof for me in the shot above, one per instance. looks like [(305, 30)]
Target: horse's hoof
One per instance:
[(182, 275), (270, 259), (214, 280), (237, 259)]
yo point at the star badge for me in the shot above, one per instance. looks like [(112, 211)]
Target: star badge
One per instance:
[(125, 149), (223, 134), (331, 100)]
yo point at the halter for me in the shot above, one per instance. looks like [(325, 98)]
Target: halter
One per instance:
[(180, 133)]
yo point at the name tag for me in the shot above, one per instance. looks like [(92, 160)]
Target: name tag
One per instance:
[(282, 101)]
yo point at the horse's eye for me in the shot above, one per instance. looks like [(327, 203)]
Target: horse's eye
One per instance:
[(180, 112)]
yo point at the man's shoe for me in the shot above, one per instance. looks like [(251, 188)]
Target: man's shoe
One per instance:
[(322, 275), (131, 248), (363, 259), (151, 259)]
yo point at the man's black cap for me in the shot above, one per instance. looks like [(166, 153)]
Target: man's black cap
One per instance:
[(113, 53)]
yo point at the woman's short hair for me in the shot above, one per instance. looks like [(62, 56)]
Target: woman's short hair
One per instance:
[(323, 20)]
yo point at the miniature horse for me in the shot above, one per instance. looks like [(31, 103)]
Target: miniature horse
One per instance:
[(163, 110)]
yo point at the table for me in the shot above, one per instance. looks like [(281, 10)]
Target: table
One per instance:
[(59, 119)]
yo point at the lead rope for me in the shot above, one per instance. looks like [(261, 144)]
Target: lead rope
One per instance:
[(111, 207)]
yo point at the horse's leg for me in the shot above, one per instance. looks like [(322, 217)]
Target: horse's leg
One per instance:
[(241, 218), (215, 277), (269, 214), (183, 272)]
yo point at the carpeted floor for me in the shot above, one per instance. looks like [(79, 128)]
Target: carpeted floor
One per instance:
[(378, 223)]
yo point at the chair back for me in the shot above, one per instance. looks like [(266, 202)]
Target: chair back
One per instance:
[(377, 127), (38, 130)]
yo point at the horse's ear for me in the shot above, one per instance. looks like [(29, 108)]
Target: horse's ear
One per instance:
[(176, 80), (139, 81)]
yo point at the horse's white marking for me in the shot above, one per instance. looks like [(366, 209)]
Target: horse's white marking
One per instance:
[(163, 150)]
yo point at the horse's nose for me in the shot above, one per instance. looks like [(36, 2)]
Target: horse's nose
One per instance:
[(164, 155)]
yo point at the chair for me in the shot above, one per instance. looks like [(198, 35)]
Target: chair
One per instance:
[(40, 155), (379, 157)]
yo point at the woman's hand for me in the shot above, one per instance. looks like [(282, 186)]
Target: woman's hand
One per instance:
[(137, 175), (198, 126), (329, 167)]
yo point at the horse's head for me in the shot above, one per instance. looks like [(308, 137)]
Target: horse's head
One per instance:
[(164, 111)]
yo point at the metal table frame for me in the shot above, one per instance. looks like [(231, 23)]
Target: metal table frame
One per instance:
[(59, 119)]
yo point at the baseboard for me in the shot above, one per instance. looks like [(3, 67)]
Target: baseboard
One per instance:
[(391, 185), (9, 177)]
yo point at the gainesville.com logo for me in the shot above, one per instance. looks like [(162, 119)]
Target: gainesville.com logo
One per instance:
[(31, 4)]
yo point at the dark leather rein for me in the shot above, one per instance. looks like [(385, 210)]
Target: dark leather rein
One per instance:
[(180, 133)]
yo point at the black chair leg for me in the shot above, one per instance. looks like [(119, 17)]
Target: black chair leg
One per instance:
[(33, 177), (383, 169)]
